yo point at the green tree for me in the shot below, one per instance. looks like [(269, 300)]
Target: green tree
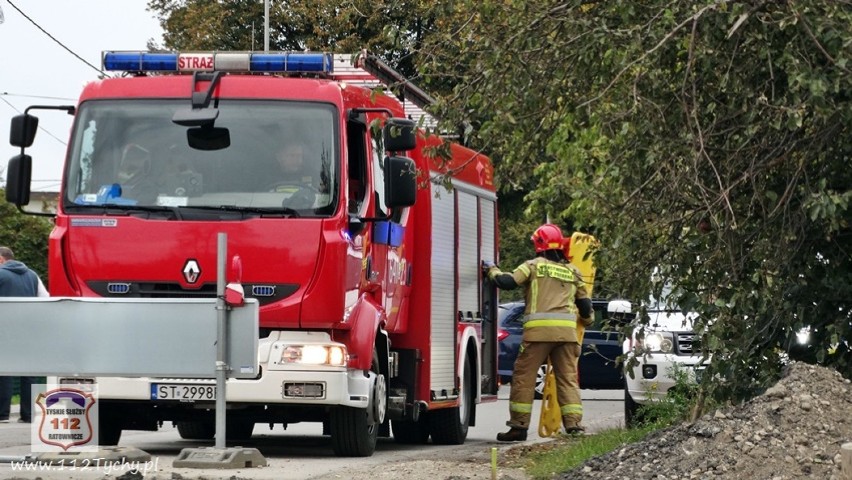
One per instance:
[(395, 30), (706, 139), (26, 235)]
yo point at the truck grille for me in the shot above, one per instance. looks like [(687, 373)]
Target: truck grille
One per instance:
[(118, 288), (265, 294)]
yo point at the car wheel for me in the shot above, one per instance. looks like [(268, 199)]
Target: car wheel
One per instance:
[(539, 381), (632, 413)]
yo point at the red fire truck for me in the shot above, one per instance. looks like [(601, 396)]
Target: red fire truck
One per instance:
[(373, 315)]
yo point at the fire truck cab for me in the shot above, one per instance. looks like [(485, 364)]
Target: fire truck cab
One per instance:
[(373, 314)]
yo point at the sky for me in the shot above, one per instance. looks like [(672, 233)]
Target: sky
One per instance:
[(37, 70)]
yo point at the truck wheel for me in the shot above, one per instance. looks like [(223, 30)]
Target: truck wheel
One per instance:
[(353, 434), (449, 425), (109, 428), (238, 429), (411, 433), (235, 429), (196, 430), (632, 414)]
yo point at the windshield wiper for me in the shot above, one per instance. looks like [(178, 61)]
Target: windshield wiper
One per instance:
[(262, 211), (123, 209)]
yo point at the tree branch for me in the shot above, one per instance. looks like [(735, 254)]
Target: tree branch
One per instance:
[(645, 55)]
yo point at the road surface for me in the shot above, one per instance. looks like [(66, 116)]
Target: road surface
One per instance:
[(301, 452)]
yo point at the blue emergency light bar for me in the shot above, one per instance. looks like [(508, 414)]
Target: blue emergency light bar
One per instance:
[(218, 61)]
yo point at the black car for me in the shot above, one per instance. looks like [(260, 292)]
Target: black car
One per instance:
[(601, 349)]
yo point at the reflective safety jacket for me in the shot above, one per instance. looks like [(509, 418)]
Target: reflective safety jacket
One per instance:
[(550, 289)]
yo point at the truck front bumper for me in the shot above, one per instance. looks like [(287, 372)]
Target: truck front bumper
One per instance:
[(347, 388), (279, 382)]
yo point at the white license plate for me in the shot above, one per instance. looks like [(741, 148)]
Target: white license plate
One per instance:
[(182, 392)]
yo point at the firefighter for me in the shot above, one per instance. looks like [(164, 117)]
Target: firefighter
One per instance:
[(556, 299)]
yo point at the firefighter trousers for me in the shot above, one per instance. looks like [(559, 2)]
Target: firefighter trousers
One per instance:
[(563, 357)]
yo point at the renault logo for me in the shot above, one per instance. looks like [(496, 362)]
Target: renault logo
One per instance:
[(191, 271)]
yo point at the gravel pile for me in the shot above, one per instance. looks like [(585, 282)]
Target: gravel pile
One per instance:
[(793, 431)]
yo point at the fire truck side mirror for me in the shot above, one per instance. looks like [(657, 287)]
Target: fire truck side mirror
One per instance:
[(18, 180), (400, 182), (23, 130), (398, 135)]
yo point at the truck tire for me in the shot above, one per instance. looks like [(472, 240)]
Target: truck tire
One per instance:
[(196, 429), (109, 427), (109, 436), (235, 429), (449, 425), (238, 429), (632, 413), (411, 433), (352, 432)]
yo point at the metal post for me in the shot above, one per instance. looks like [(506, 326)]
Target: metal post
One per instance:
[(222, 457), (221, 340), (266, 26)]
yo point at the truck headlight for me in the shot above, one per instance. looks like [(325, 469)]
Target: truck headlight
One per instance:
[(332, 355), (659, 342)]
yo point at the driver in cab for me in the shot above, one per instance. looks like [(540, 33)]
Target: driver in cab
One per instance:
[(297, 176), (291, 160)]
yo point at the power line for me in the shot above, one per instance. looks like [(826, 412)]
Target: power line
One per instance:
[(55, 40), (50, 184), (43, 97)]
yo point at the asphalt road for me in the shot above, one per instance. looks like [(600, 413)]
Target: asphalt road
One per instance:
[(301, 452)]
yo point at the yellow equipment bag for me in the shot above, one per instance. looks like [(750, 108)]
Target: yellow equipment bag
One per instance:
[(550, 419), (580, 253)]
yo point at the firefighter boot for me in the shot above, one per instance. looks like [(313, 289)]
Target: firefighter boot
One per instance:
[(572, 425), (513, 435)]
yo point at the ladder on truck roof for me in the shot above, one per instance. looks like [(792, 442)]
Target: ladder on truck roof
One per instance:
[(370, 72)]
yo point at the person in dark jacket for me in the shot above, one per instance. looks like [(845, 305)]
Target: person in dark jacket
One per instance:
[(17, 280)]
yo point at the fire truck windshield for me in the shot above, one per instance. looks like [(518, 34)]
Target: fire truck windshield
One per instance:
[(282, 156)]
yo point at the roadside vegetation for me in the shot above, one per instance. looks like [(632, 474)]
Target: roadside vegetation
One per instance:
[(545, 460), (563, 453)]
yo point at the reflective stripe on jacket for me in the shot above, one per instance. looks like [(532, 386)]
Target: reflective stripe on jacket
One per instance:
[(551, 289)]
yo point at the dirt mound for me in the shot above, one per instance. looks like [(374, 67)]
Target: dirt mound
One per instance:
[(793, 431)]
